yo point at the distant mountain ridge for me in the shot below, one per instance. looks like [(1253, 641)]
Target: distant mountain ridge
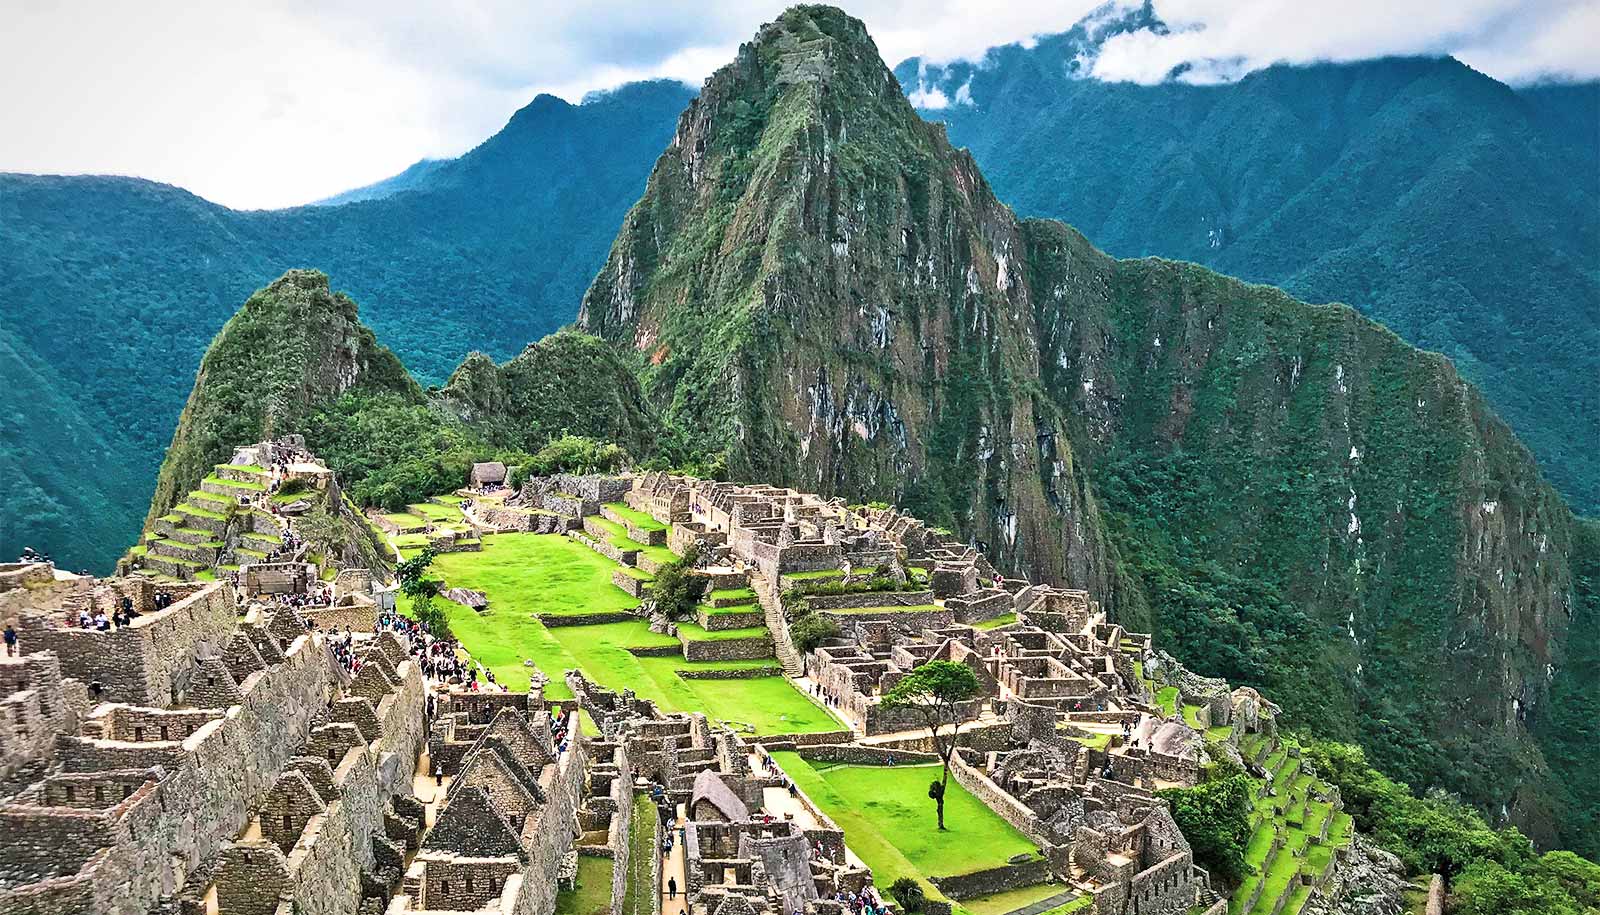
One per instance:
[(110, 284), (109, 288), (1461, 213)]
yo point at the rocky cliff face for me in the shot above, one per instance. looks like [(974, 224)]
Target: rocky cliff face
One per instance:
[(1288, 494)]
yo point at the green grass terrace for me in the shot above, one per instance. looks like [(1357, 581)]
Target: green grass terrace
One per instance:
[(528, 576), (888, 821)]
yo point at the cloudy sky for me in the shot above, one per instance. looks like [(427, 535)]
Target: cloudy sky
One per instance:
[(266, 103)]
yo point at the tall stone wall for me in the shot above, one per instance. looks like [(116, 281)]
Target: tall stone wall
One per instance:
[(551, 835), (215, 778), (140, 663)]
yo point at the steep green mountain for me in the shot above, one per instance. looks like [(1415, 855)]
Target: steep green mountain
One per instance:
[(1462, 214), (295, 358), (1289, 495), (109, 288)]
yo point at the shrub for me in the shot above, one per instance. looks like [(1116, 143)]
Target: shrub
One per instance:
[(908, 893), (1215, 818), (812, 630)]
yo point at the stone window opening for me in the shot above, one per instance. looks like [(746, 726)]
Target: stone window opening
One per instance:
[(288, 822), (165, 732), (138, 734), (99, 792), (71, 794), (127, 791), (444, 887)]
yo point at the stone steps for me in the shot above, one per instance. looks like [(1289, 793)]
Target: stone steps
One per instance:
[(793, 666)]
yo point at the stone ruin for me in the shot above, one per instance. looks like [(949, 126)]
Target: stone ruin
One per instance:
[(196, 761), (742, 851)]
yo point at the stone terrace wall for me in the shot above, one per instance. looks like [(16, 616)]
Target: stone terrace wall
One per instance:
[(36, 707), (138, 664)]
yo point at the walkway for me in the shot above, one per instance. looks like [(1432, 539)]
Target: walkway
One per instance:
[(673, 869)]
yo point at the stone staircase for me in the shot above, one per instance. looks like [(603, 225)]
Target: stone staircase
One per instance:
[(767, 595)]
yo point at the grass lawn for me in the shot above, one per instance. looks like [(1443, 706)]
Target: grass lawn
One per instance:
[(1191, 717), (528, 574), (888, 820), (638, 519), (1011, 900), (694, 633), (593, 893), (1004, 619), (883, 611), (435, 512), (1167, 699), (404, 519), (640, 897), (741, 594)]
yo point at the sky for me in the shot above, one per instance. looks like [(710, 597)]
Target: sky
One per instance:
[(270, 103)]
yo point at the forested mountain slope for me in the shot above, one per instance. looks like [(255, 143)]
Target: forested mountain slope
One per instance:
[(1288, 494), (110, 287), (1462, 214)]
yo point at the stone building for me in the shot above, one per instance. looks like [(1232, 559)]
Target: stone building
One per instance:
[(199, 759)]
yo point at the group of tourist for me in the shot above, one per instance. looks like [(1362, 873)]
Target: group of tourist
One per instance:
[(317, 595), (342, 644), (29, 554), (558, 728), (439, 659), (288, 549), (866, 902), (122, 614)]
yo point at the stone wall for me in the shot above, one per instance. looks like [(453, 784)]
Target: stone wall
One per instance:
[(552, 833), (140, 663), (34, 707), (745, 649), (869, 599), (993, 879), (214, 779)]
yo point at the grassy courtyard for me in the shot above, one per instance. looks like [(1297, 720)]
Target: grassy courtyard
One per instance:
[(888, 821), (592, 895), (530, 575)]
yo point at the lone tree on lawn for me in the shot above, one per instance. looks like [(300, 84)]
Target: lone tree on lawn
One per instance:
[(936, 690), (415, 584)]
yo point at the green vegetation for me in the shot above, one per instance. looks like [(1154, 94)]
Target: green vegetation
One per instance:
[(592, 895), (1215, 818), (640, 897), (527, 576), (101, 359), (1010, 900), (883, 811)]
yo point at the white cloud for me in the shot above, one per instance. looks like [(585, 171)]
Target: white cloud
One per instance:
[(275, 102), (1220, 40)]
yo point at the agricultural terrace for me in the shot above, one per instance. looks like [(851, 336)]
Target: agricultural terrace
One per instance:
[(527, 577), (888, 823)]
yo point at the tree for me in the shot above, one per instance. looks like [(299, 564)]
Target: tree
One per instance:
[(420, 589), (1215, 818), (677, 590), (936, 690)]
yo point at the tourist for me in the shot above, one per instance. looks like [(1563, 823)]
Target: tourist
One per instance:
[(11, 641), (672, 888), (438, 774)]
